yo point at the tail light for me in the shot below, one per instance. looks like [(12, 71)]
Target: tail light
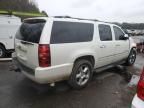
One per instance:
[(140, 88), (44, 55)]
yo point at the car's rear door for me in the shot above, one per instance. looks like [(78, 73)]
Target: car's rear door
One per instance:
[(105, 49)]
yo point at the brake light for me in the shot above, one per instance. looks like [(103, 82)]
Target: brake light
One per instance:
[(44, 55), (140, 88)]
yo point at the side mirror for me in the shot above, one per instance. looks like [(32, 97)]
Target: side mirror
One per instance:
[(126, 37)]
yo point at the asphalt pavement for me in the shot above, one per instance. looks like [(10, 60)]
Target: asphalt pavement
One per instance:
[(108, 89)]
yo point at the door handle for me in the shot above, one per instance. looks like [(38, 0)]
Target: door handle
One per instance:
[(117, 45), (103, 46)]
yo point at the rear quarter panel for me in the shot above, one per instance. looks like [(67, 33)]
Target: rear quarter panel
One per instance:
[(69, 52)]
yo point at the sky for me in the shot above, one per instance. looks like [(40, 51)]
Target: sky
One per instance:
[(104, 10)]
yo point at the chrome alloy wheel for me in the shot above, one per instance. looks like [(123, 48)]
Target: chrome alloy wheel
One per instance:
[(132, 57), (1, 52), (83, 75)]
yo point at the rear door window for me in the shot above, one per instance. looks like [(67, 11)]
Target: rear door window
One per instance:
[(105, 32), (71, 32), (31, 30)]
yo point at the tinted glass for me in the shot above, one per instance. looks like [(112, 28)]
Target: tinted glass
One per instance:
[(118, 33), (71, 32), (30, 31), (105, 32)]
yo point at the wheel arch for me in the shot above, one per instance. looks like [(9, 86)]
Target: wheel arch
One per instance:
[(86, 57), (1, 44), (133, 48)]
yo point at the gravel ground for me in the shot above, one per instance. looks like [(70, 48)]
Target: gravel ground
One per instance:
[(108, 89)]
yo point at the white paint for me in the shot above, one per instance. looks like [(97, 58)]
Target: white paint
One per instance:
[(137, 102), (8, 28)]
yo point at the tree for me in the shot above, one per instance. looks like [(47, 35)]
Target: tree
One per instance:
[(19, 5), (44, 13)]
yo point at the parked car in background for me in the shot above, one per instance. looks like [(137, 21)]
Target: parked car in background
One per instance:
[(138, 101), (48, 50), (8, 28)]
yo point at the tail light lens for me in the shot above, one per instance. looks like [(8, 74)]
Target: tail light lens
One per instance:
[(44, 55), (140, 88)]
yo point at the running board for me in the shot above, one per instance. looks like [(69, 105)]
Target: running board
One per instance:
[(5, 59)]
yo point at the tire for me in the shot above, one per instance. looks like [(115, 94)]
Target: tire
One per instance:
[(2, 52), (81, 74), (131, 58)]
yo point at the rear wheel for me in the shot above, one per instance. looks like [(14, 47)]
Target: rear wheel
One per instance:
[(81, 74), (2, 52), (132, 57)]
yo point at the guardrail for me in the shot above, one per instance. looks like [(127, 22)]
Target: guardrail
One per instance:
[(22, 13)]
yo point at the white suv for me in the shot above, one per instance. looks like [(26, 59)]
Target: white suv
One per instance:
[(48, 50)]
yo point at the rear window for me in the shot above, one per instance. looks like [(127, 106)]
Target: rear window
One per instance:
[(71, 32), (31, 30)]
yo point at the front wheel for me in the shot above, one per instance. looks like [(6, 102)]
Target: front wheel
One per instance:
[(131, 58), (81, 74)]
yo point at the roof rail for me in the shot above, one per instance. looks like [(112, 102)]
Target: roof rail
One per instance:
[(75, 18), (62, 17), (82, 19)]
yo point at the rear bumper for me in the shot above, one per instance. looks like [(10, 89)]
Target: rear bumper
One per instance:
[(45, 75), (137, 103)]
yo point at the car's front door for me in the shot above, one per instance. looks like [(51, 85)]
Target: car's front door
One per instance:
[(121, 44)]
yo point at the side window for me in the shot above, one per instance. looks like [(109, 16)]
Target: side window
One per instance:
[(118, 33), (105, 32), (71, 32)]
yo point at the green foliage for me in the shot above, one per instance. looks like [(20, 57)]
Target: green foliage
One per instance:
[(138, 26), (19, 5), (21, 8), (16, 13)]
